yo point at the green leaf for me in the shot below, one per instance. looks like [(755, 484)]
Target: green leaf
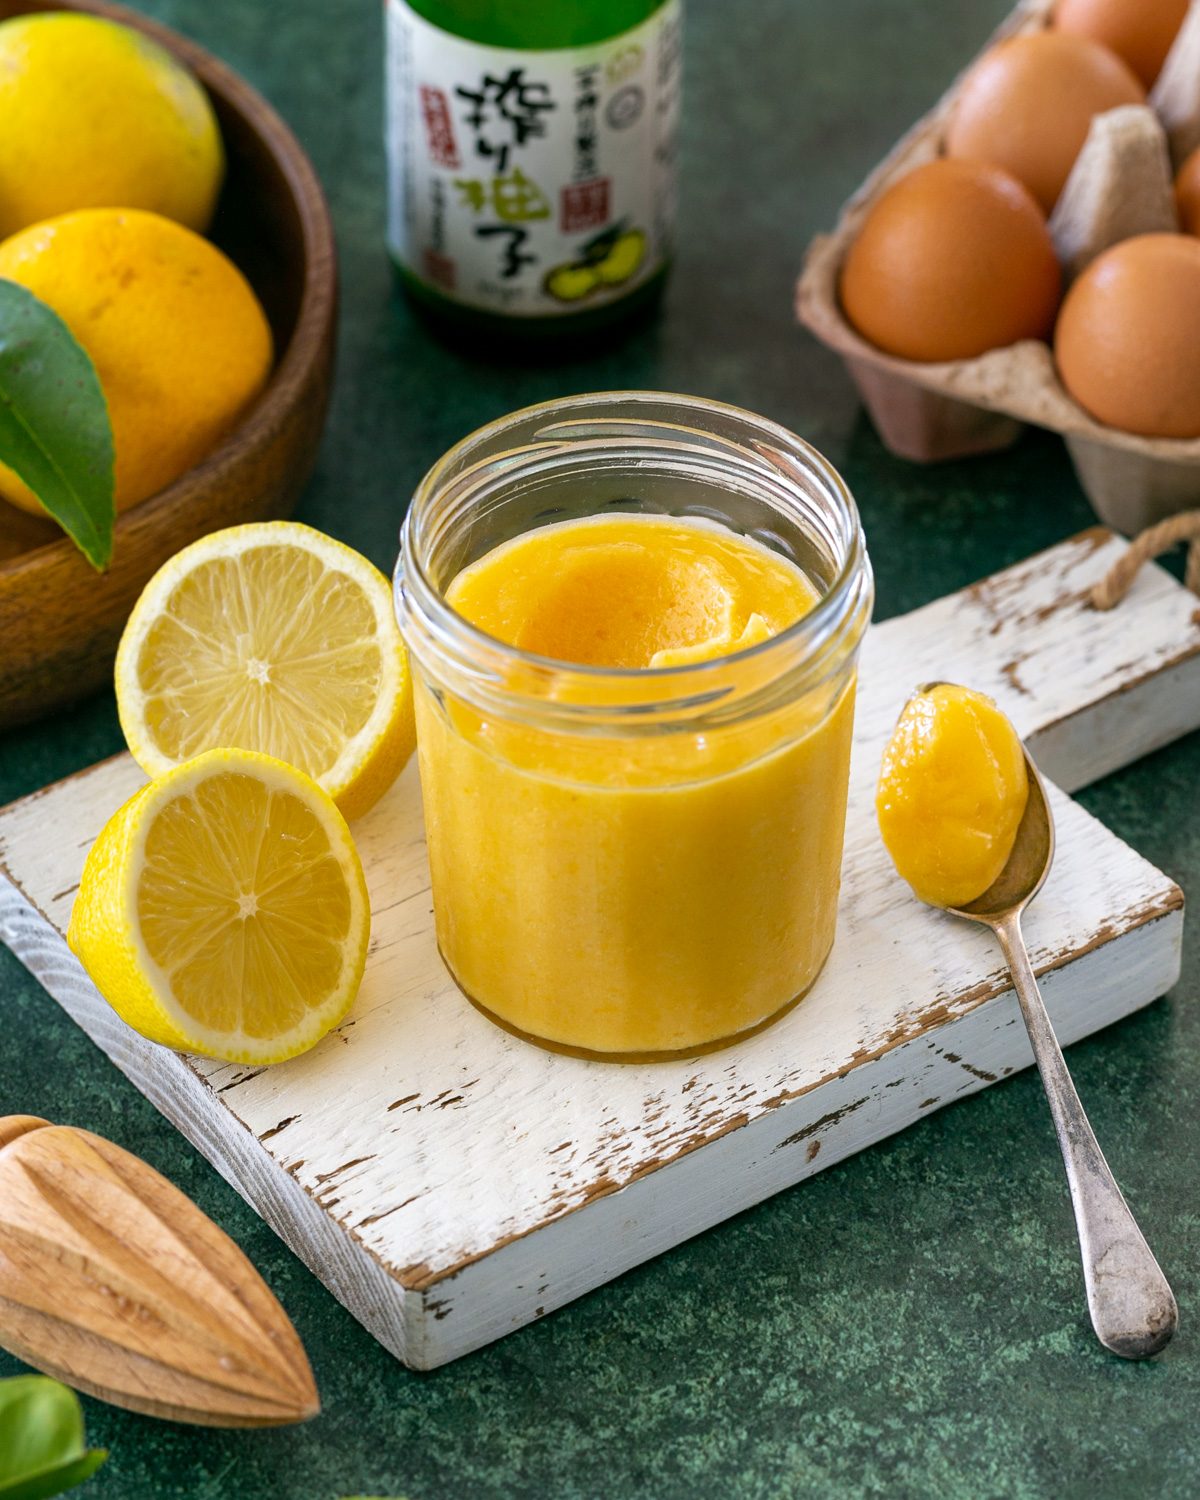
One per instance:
[(54, 427), (42, 1449), (56, 1480)]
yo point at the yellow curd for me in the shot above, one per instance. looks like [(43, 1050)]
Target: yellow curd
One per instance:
[(619, 892), (951, 795)]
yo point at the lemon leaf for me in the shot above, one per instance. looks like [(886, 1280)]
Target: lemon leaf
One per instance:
[(55, 432), (42, 1450)]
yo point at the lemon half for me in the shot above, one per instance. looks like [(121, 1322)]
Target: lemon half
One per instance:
[(223, 910), (270, 637)]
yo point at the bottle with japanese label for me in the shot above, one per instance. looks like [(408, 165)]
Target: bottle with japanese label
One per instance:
[(531, 158)]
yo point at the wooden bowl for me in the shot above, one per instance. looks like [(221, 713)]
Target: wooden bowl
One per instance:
[(60, 620)]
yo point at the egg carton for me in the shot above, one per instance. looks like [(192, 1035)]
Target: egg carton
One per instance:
[(1121, 185)]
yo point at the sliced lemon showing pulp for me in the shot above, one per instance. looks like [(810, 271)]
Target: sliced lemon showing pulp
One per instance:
[(223, 910), (270, 637)]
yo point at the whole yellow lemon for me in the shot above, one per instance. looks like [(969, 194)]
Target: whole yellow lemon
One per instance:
[(179, 341), (95, 115)]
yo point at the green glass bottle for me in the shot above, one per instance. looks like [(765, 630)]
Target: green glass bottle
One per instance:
[(531, 160)]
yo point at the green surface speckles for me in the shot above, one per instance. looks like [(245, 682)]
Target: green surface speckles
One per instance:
[(910, 1323)]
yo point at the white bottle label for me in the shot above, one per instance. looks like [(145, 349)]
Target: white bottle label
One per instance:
[(531, 183)]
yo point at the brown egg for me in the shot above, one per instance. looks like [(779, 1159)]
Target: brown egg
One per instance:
[(1027, 103), (1138, 31), (1128, 337), (951, 261), (1187, 194)]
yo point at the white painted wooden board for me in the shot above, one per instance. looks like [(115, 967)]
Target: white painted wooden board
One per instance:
[(450, 1183)]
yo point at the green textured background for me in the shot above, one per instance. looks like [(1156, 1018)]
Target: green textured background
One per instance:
[(909, 1323)]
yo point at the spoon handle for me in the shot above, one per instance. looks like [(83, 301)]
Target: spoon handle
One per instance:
[(1132, 1307)]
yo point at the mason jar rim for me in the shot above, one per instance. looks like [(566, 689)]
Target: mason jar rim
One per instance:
[(417, 596)]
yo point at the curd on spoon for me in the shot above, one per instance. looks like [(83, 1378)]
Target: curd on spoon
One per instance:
[(952, 791)]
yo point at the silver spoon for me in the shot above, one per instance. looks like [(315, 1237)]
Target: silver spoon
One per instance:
[(1132, 1306)]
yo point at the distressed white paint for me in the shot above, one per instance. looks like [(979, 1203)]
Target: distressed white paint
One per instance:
[(450, 1183)]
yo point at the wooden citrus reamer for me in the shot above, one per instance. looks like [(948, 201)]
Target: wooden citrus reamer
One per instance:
[(449, 1183), (114, 1282)]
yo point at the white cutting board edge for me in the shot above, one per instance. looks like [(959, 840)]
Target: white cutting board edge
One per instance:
[(678, 1161)]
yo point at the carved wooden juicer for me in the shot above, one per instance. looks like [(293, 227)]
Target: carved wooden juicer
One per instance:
[(114, 1282)]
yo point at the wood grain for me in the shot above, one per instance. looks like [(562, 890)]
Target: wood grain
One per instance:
[(59, 620), (449, 1182), (114, 1282)]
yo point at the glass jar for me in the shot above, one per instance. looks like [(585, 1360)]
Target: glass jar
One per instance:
[(633, 863)]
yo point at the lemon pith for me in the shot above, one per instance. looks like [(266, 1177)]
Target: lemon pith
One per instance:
[(223, 910), (270, 637)]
